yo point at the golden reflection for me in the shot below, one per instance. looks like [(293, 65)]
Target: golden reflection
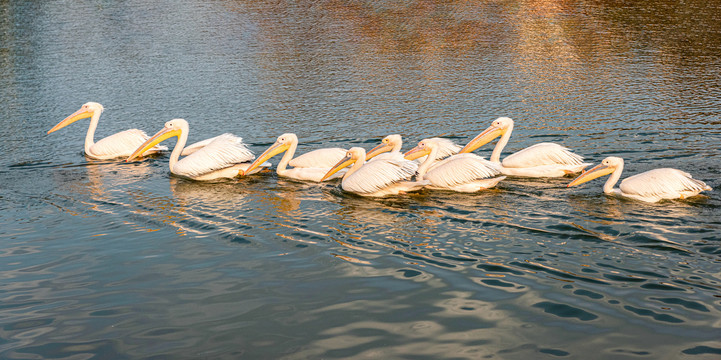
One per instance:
[(96, 191), (351, 259), (208, 208), (609, 213), (378, 224), (286, 201), (429, 337)]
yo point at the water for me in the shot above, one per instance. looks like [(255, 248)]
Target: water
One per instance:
[(119, 260)]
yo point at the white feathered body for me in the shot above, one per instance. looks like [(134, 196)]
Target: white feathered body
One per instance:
[(319, 158), (543, 160), (221, 157), (189, 149), (463, 173), (382, 177), (121, 144), (309, 173), (313, 165), (658, 184)]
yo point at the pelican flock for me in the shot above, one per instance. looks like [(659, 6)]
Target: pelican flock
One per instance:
[(435, 163), (118, 145)]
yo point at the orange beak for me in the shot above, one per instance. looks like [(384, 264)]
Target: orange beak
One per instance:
[(83, 113), (482, 139)]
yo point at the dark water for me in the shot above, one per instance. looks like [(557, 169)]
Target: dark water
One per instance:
[(108, 260)]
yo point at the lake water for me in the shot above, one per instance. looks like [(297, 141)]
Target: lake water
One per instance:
[(113, 260)]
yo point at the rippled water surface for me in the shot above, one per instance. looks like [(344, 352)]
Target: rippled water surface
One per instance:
[(104, 259)]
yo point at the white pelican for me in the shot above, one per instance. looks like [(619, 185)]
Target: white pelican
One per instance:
[(310, 166), (376, 178), (539, 160), (114, 146), (394, 143), (650, 186), (461, 172), (222, 157)]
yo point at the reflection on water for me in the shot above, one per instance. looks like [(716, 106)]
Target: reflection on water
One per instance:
[(104, 259)]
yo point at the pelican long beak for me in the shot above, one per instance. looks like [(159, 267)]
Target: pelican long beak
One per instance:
[(482, 139), (83, 113), (598, 171), (381, 148), (273, 150), (344, 162), (156, 139), (416, 152)]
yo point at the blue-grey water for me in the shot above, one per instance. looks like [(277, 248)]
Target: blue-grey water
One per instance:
[(113, 260)]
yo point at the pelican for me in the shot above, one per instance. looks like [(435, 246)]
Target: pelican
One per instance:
[(222, 157), (310, 166), (461, 172), (376, 178), (650, 186), (539, 160), (114, 146)]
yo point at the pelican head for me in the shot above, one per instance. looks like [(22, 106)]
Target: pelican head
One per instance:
[(389, 143), (424, 148), (87, 110), (282, 143), (499, 127), (353, 155), (607, 166), (172, 128)]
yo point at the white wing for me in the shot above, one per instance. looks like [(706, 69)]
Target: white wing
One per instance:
[(542, 154), (662, 183), (377, 175), (461, 169), (446, 148), (320, 158), (197, 146), (224, 151), (121, 144), (388, 156), (310, 174)]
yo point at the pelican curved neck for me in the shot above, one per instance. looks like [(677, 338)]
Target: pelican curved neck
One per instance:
[(496, 154), (90, 136), (283, 164), (397, 146), (613, 179), (175, 155), (430, 159), (356, 165)]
